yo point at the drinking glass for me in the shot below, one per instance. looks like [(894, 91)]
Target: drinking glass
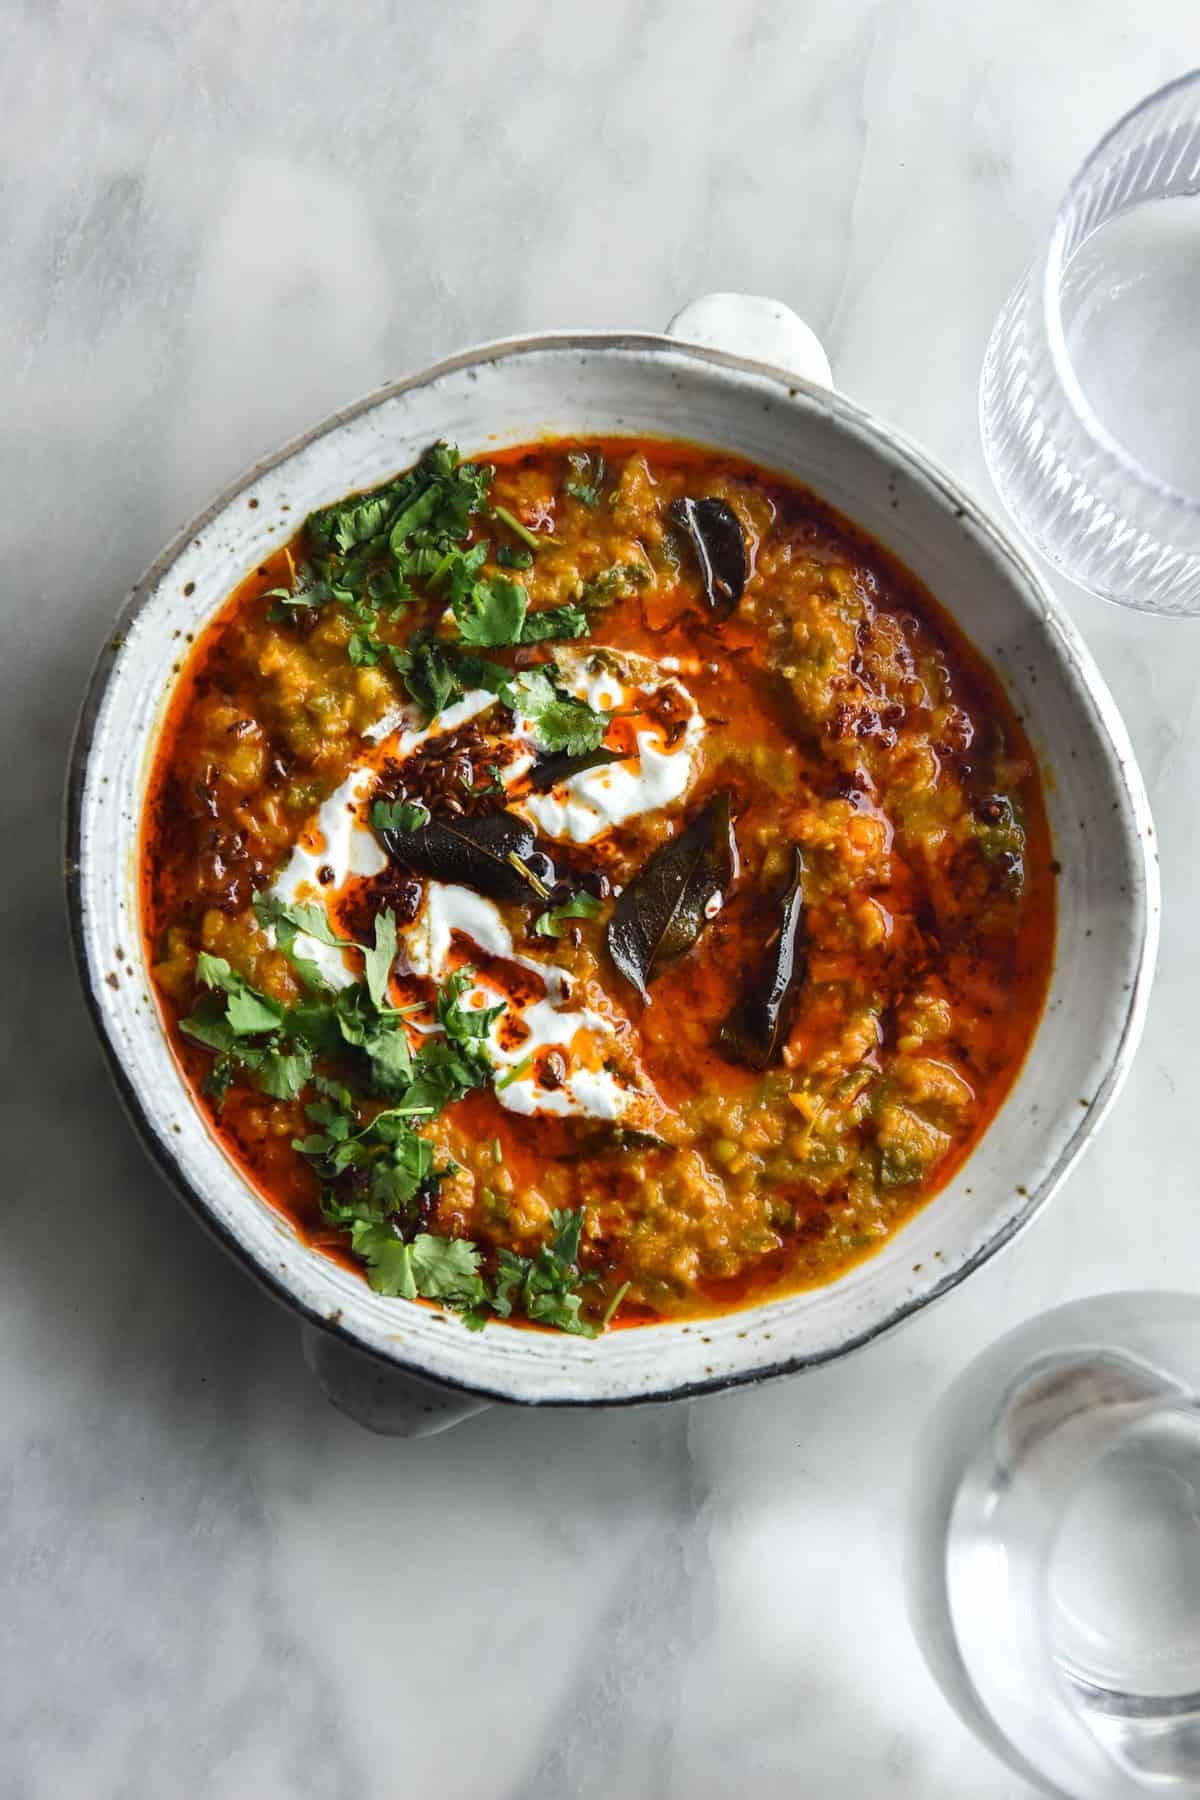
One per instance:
[(1090, 395), (1054, 1547)]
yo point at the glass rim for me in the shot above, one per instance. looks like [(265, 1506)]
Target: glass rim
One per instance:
[(1052, 271)]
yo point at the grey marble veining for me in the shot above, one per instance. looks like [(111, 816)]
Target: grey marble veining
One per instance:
[(219, 222)]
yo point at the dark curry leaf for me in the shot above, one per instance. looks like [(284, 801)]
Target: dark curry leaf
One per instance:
[(719, 543), (552, 769), (755, 1029), (669, 902), (490, 853)]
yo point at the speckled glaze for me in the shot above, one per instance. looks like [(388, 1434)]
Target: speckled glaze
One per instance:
[(509, 393)]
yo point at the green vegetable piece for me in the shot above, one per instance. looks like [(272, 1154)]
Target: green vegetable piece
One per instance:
[(579, 906), (523, 532)]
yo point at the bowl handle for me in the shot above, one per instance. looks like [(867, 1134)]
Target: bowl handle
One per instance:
[(378, 1396), (762, 330)]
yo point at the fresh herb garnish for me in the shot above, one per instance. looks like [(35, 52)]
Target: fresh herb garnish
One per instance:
[(585, 482), (491, 613), (514, 524), (561, 723), (553, 622), (376, 1167), (579, 906), (399, 815), (546, 1284), (508, 558)]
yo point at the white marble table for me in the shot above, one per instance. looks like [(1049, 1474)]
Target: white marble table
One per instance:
[(219, 222)]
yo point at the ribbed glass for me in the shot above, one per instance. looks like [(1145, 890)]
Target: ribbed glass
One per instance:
[(1084, 499)]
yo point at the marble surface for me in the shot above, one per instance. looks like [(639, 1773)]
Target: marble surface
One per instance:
[(219, 222)]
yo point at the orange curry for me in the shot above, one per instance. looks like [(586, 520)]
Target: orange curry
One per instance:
[(597, 886)]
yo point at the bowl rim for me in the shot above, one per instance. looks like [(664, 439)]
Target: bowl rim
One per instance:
[(1023, 576)]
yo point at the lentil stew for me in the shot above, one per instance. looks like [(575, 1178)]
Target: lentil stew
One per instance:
[(594, 887)]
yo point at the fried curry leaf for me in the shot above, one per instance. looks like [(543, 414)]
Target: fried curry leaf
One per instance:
[(668, 903), (755, 1029), (552, 769), (719, 544), (490, 853)]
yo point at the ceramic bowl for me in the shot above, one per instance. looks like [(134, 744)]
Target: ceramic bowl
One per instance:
[(407, 1368)]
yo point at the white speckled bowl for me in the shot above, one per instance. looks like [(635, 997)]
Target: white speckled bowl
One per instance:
[(616, 383)]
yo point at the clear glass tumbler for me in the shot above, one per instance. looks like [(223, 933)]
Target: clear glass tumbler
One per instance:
[(1090, 396), (1054, 1547)]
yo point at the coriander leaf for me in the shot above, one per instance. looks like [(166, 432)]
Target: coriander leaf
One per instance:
[(313, 1021), (445, 1268), (491, 612), (508, 558), (388, 1258), (387, 1047), (363, 649), (567, 1227), (560, 1309), (428, 676), (399, 815), (554, 622), (246, 1010), (379, 959), (579, 906), (560, 723), (283, 1074), (206, 1024), (305, 915), (418, 512)]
